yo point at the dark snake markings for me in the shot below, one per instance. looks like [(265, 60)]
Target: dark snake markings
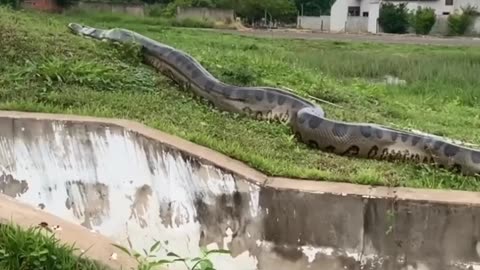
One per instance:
[(306, 119)]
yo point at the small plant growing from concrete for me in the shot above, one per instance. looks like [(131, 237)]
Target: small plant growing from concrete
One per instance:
[(146, 261)]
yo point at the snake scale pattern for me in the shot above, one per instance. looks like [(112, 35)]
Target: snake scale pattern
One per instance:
[(307, 120)]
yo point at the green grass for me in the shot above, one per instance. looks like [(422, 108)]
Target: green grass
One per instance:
[(25, 249), (47, 69), (147, 20)]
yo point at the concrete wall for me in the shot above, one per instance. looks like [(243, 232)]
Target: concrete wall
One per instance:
[(225, 15), (341, 22), (357, 24), (128, 8), (338, 15), (132, 184), (373, 13), (321, 23)]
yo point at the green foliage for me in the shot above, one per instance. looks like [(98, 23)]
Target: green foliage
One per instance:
[(171, 9), (156, 10), (314, 7), (10, 3), (458, 23), (193, 23), (32, 249), (283, 10), (393, 18), (422, 20), (146, 261), (470, 10)]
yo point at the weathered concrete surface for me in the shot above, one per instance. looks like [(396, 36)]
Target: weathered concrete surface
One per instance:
[(134, 184)]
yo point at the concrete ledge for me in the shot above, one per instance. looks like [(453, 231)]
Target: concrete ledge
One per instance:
[(243, 170), (281, 223)]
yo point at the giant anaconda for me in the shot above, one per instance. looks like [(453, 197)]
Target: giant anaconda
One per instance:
[(307, 120)]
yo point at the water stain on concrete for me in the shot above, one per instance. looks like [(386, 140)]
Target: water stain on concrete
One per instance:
[(228, 213), (88, 201), (12, 187), (139, 206)]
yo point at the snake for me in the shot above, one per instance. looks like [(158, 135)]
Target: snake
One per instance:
[(306, 119)]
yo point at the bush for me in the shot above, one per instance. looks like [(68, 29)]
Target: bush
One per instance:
[(459, 23), (193, 23), (156, 10), (423, 20), (393, 18)]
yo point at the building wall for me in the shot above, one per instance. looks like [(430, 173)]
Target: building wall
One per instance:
[(373, 13), (339, 14), (357, 24)]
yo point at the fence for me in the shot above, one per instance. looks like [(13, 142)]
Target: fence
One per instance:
[(127, 8), (225, 15), (322, 23)]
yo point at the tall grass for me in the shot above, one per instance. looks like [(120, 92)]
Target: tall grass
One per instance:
[(33, 249), (444, 73)]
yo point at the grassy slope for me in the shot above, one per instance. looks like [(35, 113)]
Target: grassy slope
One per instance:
[(100, 80), (32, 249)]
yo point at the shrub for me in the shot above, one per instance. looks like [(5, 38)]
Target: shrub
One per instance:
[(422, 20), (156, 10), (193, 23), (459, 23), (393, 18)]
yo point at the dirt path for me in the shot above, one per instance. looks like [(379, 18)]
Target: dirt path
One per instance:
[(383, 38)]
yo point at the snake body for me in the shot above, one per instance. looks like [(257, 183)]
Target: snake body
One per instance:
[(307, 120)]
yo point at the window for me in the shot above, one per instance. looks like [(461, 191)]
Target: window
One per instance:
[(445, 13), (448, 2), (365, 14), (353, 11)]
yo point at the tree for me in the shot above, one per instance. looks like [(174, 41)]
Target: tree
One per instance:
[(314, 7), (282, 10)]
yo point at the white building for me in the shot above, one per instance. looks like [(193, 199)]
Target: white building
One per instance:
[(363, 14)]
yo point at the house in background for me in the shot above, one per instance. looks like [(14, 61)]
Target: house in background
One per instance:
[(363, 14)]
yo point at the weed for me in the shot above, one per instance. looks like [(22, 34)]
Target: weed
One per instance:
[(147, 261)]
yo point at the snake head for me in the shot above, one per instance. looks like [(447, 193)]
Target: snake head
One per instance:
[(75, 28)]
